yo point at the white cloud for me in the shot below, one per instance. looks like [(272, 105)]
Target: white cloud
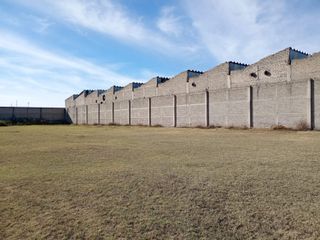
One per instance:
[(13, 43), (248, 30), (25, 66), (169, 23), (111, 19), (42, 24), (245, 31)]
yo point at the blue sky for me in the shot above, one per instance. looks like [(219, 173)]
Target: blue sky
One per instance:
[(51, 49)]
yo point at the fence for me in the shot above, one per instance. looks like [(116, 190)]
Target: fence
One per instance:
[(266, 105), (34, 114)]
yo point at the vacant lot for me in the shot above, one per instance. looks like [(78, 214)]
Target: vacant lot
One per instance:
[(62, 182)]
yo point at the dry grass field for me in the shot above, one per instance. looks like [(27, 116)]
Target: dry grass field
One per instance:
[(93, 182)]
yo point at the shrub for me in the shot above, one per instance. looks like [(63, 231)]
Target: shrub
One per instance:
[(302, 126), (280, 127), (238, 128), (202, 127), (4, 123), (113, 124), (141, 125), (214, 126)]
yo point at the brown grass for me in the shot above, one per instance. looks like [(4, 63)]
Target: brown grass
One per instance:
[(87, 182)]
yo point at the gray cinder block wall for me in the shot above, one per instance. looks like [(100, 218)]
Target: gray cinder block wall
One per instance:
[(280, 89), (35, 114)]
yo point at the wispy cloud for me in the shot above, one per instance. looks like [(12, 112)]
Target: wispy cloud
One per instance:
[(48, 60), (250, 29), (187, 33), (33, 67), (112, 19), (243, 30), (41, 24), (170, 23)]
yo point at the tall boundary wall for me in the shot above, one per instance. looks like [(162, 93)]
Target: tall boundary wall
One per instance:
[(34, 114), (280, 89), (261, 106)]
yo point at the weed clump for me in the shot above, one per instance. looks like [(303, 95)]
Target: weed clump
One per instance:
[(280, 127), (302, 126)]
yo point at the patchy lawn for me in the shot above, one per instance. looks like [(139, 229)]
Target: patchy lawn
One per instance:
[(92, 182)]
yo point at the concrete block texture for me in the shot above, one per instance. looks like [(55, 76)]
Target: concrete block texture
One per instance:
[(52, 114), (49, 115), (191, 110), (106, 113), (140, 111), (6, 113), (162, 111), (176, 85), (121, 112), (229, 107), (273, 68), (71, 114), (94, 114), (260, 106), (284, 104), (81, 113), (215, 78), (280, 89), (306, 68)]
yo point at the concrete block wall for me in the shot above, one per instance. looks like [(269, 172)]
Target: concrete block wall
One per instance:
[(32, 114), (284, 104), (293, 103), (81, 114), (260, 106), (122, 112), (176, 85), (140, 110), (215, 78), (126, 93), (92, 98), (94, 113), (150, 88), (265, 110), (230, 107), (71, 114), (274, 91), (238, 113), (162, 110), (81, 99), (306, 68), (106, 113), (277, 65), (191, 109), (6, 113), (139, 92), (53, 114)]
